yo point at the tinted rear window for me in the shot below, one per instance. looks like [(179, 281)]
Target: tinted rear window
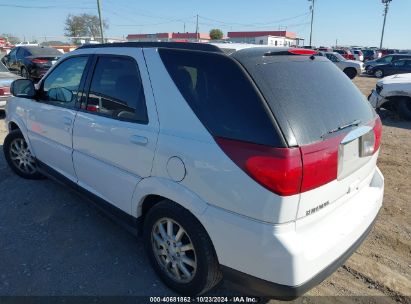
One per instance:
[(221, 95), (314, 95), (44, 51)]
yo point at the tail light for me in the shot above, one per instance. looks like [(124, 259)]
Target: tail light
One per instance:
[(4, 91), (40, 61), (370, 142), (289, 171), (277, 169)]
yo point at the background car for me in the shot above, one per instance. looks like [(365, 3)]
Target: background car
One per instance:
[(397, 67), (369, 54), (31, 61), (385, 60), (351, 68), (358, 55), (6, 78), (345, 53)]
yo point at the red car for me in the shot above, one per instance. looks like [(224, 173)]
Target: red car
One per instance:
[(346, 54)]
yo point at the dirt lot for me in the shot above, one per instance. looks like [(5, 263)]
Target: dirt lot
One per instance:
[(381, 266)]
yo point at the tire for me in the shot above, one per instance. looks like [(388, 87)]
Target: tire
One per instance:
[(203, 267), (24, 73), (404, 108), (379, 73), (18, 156), (350, 72)]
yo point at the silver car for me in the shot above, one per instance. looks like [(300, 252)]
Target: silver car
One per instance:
[(351, 68)]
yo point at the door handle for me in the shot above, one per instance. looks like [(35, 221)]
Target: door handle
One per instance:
[(139, 140)]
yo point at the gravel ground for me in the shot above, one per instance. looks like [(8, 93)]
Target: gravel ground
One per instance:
[(54, 243)]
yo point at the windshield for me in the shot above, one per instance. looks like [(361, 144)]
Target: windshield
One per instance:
[(315, 96), (3, 68)]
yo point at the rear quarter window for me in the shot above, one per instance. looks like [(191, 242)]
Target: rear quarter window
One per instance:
[(221, 95)]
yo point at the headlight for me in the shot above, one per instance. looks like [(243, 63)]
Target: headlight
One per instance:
[(378, 88)]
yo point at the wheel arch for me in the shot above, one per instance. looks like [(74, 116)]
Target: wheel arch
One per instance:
[(16, 123), (152, 190)]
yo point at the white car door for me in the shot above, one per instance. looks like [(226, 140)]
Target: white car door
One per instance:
[(115, 131), (50, 119)]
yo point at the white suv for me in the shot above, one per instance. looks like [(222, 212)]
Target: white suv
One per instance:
[(257, 164)]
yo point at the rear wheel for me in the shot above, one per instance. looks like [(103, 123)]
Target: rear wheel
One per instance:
[(19, 157), (379, 73), (404, 108), (350, 72), (180, 250)]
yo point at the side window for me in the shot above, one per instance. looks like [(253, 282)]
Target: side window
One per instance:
[(62, 85), (20, 53), (221, 96), (116, 90), (399, 63)]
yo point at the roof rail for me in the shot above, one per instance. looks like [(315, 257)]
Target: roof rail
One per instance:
[(170, 45)]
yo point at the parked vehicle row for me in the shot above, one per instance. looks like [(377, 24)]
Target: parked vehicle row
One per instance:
[(244, 163), (31, 62)]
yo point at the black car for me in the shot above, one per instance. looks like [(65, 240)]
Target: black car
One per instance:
[(397, 67), (31, 61)]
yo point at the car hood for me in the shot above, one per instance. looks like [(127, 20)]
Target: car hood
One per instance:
[(398, 78), (6, 78)]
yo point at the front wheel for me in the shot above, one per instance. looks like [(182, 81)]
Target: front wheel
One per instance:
[(180, 249), (351, 73), (379, 73), (19, 157)]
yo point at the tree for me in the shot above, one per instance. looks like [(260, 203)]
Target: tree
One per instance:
[(216, 34), (11, 38), (84, 25)]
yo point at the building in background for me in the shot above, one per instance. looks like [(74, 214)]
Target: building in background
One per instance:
[(168, 37), (271, 38)]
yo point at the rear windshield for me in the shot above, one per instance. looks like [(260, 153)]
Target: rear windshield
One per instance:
[(222, 96), (314, 96), (43, 51)]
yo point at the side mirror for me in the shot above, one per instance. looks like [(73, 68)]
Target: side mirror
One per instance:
[(23, 88), (60, 94)]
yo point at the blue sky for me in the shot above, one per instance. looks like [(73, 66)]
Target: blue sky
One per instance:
[(352, 22)]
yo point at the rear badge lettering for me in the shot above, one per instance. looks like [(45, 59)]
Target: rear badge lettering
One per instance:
[(316, 209)]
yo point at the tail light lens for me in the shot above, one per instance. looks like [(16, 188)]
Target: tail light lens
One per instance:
[(4, 91), (378, 133), (41, 61), (277, 169)]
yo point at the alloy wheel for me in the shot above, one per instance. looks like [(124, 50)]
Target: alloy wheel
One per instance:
[(21, 156), (174, 250)]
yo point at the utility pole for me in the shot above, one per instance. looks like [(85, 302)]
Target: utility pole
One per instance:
[(197, 30), (184, 27), (386, 4), (101, 21), (312, 20)]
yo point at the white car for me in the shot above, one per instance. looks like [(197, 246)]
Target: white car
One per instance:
[(393, 93), (257, 164), (351, 68)]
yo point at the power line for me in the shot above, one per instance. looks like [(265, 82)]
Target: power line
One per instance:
[(44, 7)]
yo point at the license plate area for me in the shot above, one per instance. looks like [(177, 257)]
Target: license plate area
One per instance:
[(349, 158)]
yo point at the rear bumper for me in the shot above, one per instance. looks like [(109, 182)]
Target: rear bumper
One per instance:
[(286, 260), (258, 287)]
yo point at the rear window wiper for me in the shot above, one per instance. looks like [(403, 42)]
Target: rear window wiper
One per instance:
[(351, 124)]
